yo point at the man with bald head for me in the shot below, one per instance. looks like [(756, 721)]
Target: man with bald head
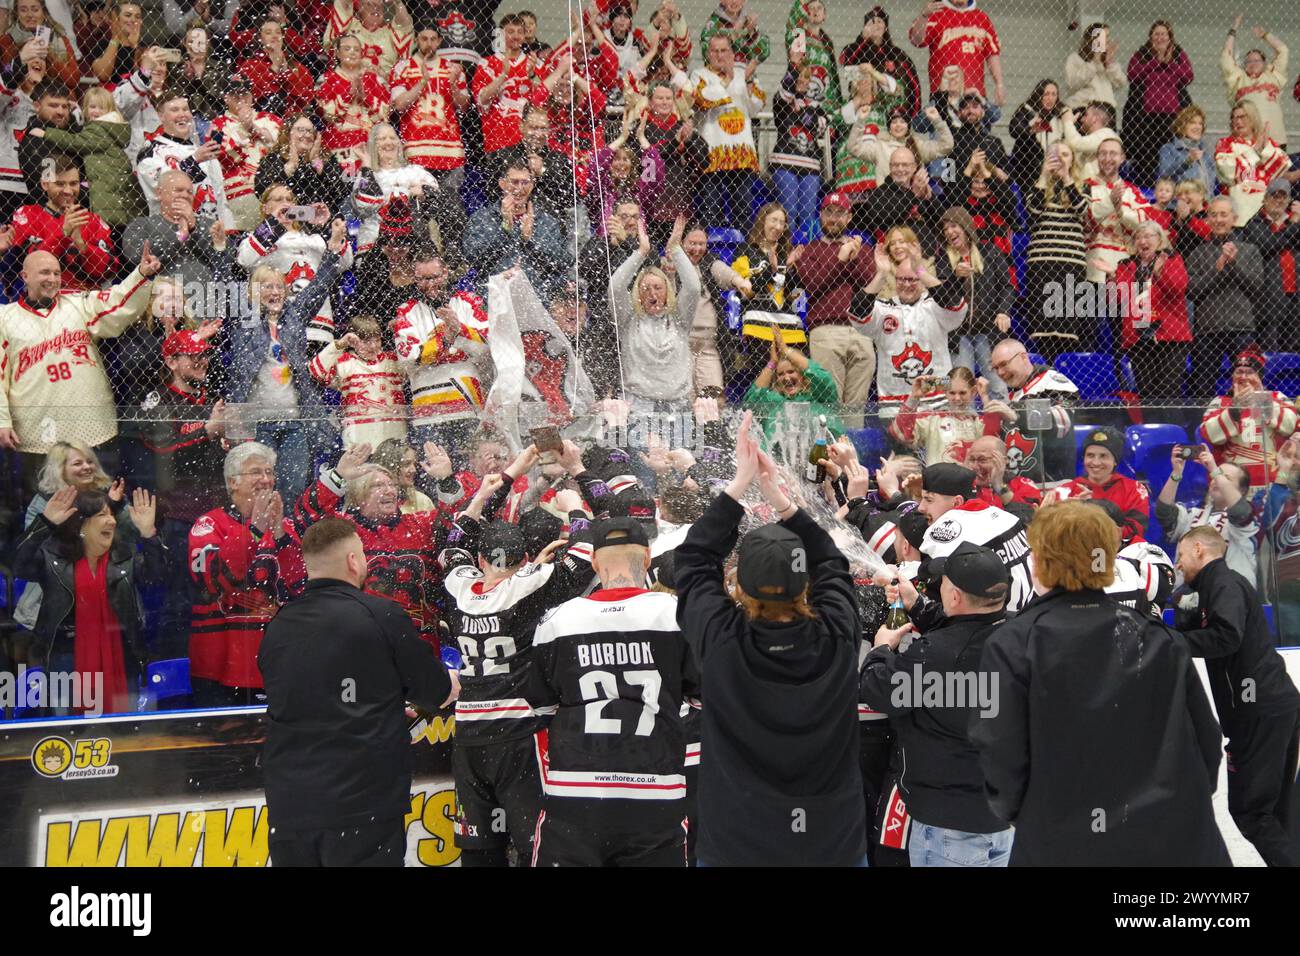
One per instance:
[(904, 199), (52, 382), (179, 236)]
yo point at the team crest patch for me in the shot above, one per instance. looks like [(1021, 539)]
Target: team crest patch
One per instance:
[(202, 526), (889, 324)]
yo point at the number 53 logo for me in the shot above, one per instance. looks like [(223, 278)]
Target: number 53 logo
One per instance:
[(58, 757)]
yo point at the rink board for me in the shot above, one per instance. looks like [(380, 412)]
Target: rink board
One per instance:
[(174, 789), (185, 789)]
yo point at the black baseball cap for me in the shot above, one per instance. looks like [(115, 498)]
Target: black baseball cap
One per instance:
[(766, 567), (613, 532), (973, 569), (912, 527), (948, 478), (502, 544)]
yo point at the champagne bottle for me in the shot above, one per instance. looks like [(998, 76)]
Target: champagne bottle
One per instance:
[(897, 616), (815, 470)]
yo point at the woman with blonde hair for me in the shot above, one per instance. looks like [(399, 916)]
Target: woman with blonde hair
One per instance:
[(66, 466), (946, 433), (294, 248), (1257, 81), (1248, 160), (386, 174), (1057, 255), (654, 322), (902, 247), (400, 460), (270, 357)]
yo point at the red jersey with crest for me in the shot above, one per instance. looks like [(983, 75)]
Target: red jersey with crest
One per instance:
[(401, 555), (430, 127), (242, 576), (502, 117), (40, 229), (1128, 495), (381, 47), (962, 37)]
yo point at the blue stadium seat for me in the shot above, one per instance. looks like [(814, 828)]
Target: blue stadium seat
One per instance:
[(1037, 359), (872, 445), (170, 678), (1080, 433), (1282, 373), (1093, 373), (1141, 437)]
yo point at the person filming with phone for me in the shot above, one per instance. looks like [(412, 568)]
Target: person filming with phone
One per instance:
[(1226, 509)]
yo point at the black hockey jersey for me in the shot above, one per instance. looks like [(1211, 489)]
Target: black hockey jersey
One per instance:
[(617, 668), (1042, 454), (493, 627), (983, 524)]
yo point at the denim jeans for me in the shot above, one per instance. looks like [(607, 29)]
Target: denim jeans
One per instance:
[(937, 846), (976, 349), (797, 192), (294, 444)]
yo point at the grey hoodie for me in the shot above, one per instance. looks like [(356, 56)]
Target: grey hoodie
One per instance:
[(655, 349)]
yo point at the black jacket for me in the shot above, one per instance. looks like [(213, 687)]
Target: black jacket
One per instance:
[(334, 758), (1248, 678), (43, 560), (941, 780), (781, 782), (1104, 751), (890, 205)]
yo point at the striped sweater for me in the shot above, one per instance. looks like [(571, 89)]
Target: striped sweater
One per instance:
[(1056, 228)]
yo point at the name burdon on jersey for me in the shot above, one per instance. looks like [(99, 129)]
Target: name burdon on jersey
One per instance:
[(493, 629), (616, 660)]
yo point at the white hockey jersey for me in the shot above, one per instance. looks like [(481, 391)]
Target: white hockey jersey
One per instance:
[(162, 153), (911, 341), (1241, 555), (446, 376), (990, 527), (392, 182), (15, 111), (53, 386), (297, 255)]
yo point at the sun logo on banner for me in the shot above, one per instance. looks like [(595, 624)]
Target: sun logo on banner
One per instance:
[(52, 756)]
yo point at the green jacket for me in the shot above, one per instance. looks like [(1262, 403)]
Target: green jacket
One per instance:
[(100, 144), (821, 394)]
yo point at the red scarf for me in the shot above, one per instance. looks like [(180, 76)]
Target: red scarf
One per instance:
[(98, 644)]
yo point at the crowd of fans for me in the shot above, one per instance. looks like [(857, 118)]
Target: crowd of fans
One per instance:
[(261, 273)]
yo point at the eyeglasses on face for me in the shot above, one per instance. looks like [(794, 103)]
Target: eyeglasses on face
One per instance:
[(258, 473), (1005, 363)]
